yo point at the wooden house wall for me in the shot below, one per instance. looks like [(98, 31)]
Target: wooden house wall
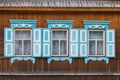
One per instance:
[(77, 65), (59, 78)]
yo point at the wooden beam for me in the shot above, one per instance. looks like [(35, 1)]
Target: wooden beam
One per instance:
[(61, 74), (56, 9)]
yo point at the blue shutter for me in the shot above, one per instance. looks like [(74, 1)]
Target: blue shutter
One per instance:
[(110, 43), (8, 42), (83, 43), (36, 42), (46, 43), (73, 43)]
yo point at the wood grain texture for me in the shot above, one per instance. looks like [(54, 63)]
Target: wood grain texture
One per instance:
[(59, 77)]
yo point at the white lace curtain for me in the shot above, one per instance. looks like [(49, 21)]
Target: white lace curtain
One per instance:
[(93, 36), (59, 39), (22, 43)]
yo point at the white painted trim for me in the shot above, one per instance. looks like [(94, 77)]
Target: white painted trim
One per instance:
[(60, 40), (83, 54), (7, 35), (47, 36), (39, 35), (34, 51), (81, 31), (45, 44), (113, 34), (22, 41), (11, 44), (76, 40), (113, 50), (96, 40), (74, 50)]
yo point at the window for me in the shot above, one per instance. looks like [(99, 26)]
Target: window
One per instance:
[(96, 42), (59, 42), (23, 41)]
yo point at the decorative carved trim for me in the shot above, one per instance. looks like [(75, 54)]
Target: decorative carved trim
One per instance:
[(59, 26), (96, 26), (59, 59), (23, 58), (23, 25), (96, 59)]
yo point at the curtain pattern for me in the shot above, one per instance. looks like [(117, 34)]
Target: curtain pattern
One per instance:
[(60, 39), (63, 47), (55, 47), (22, 41)]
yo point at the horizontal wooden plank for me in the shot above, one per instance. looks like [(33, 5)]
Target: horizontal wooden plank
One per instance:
[(61, 74), (56, 9)]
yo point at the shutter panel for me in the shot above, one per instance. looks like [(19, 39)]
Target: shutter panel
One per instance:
[(73, 43), (110, 43), (83, 43), (46, 43), (36, 42), (8, 42)]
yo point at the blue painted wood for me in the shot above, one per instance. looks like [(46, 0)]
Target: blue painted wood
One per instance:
[(8, 42), (83, 41), (73, 51), (110, 39), (46, 46), (23, 58), (36, 42), (60, 23), (110, 43), (9, 39), (59, 59), (97, 59), (23, 23), (90, 24)]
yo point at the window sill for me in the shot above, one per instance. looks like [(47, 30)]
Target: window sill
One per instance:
[(23, 58)]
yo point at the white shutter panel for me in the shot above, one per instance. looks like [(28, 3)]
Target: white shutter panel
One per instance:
[(110, 43), (36, 42), (46, 43), (83, 43), (73, 43), (8, 42)]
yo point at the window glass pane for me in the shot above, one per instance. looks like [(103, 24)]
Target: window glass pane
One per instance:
[(18, 47), (63, 35), (100, 47), (59, 35), (18, 34), (26, 34), (55, 35), (55, 47), (96, 35), (92, 48), (27, 45), (63, 47)]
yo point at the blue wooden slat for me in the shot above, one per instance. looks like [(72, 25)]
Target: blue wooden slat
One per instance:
[(36, 42), (73, 51), (9, 42), (46, 43), (83, 43), (110, 43)]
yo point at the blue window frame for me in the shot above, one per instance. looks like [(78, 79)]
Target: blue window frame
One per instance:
[(101, 41), (59, 42), (19, 43)]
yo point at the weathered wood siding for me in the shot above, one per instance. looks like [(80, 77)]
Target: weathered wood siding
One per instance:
[(59, 78), (77, 65)]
